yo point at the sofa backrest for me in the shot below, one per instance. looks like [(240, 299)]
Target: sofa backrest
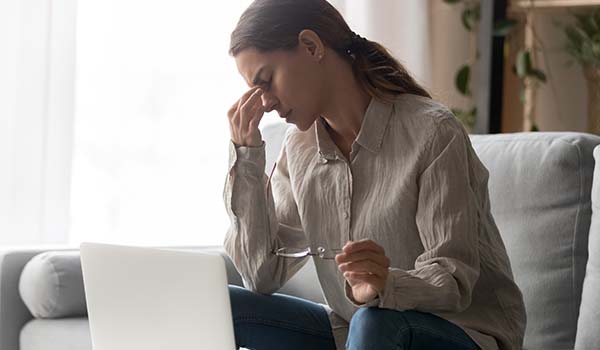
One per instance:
[(539, 188), (588, 336)]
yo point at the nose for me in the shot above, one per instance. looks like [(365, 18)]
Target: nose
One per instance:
[(269, 101)]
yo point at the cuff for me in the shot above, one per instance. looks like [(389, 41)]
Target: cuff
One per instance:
[(389, 298), (350, 298), (247, 160)]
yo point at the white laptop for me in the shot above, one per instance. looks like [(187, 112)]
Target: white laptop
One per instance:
[(156, 299)]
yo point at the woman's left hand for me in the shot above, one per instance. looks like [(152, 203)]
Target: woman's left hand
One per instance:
[(365, 267)]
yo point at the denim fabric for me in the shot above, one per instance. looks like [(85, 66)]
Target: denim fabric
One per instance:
[(382, 329), (264, 322)]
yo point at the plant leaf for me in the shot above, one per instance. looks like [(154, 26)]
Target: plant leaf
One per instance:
[(504, 26), (476, 11), (523, 63), (466, 19), (462, 80), (574, 37), (538, 74)]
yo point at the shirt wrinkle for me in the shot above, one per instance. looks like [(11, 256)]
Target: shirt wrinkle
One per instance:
[(420, 192)]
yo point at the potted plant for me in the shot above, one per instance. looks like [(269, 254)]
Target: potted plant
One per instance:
[(583, 44), (524, 66)]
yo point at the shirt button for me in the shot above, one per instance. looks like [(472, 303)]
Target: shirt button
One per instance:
[(323, 160), (345, 215)]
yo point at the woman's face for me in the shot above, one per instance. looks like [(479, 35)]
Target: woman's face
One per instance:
[(293, 82)]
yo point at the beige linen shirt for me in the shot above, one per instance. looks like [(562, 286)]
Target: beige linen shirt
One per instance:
[(414, 185)]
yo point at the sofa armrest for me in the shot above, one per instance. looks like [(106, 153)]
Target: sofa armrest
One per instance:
[(13, 313)]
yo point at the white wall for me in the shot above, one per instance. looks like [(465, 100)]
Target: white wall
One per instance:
[(562, 101)]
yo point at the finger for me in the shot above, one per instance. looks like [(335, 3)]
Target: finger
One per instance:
[(364, 266), (253, 110), (363, 255), (246, 96), (233, 109), (253, 123), (251, 103), (366, 244), (356, 277)]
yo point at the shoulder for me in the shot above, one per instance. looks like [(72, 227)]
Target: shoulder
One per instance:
[(420, 110), (429, 124), (415, 120), (427, 115)]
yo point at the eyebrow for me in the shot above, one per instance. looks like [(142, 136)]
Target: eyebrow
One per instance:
[(256, 77)]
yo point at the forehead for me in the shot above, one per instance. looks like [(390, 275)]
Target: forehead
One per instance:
[(250, 61)]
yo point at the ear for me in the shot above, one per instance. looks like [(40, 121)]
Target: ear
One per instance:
[(311, 43)]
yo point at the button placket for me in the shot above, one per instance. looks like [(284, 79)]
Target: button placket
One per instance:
[(347, 201)]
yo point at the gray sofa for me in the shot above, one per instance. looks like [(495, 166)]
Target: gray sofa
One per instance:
[(542, 199)]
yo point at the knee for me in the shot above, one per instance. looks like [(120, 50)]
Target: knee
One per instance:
[(374, 328), (241, 300)]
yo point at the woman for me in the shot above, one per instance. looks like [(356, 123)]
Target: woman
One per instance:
[(375, 167)]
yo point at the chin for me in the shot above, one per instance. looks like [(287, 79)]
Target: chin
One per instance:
[(304, 125)]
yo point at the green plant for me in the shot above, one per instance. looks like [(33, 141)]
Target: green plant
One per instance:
[(583, 38), (523, 66), (470, 20)]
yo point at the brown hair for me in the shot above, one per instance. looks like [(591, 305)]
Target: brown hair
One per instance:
[(268, 25)]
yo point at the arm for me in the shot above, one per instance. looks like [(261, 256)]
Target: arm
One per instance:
[(447, 219), (261, 220)]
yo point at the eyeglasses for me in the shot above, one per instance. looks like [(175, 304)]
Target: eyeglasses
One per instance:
[(323, 253)]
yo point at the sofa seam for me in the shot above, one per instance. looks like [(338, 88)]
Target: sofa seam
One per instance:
[(56, 288), (574, 310), (564, 139)]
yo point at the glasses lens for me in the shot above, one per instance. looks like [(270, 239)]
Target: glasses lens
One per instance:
[(292, 252)]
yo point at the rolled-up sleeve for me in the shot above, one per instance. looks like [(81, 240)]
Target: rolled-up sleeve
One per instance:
[(447, 219), (262, 218)]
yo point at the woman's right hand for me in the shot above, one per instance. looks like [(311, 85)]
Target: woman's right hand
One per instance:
[(244, 116)]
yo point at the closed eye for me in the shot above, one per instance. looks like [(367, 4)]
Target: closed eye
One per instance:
[(266, 84)]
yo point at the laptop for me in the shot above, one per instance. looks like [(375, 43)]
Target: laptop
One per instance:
[(156, 299)]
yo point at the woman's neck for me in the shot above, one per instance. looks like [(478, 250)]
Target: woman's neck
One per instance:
[(346, 109)]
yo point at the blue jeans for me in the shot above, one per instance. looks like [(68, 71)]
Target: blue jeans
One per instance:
[(265, 322)]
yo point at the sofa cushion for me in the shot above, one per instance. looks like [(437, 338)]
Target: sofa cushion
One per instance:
[(59, 334), (51, 285), (13, 312), (539, 186), (589, 312)]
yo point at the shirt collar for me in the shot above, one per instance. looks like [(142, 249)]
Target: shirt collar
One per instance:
[(370, 136)]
